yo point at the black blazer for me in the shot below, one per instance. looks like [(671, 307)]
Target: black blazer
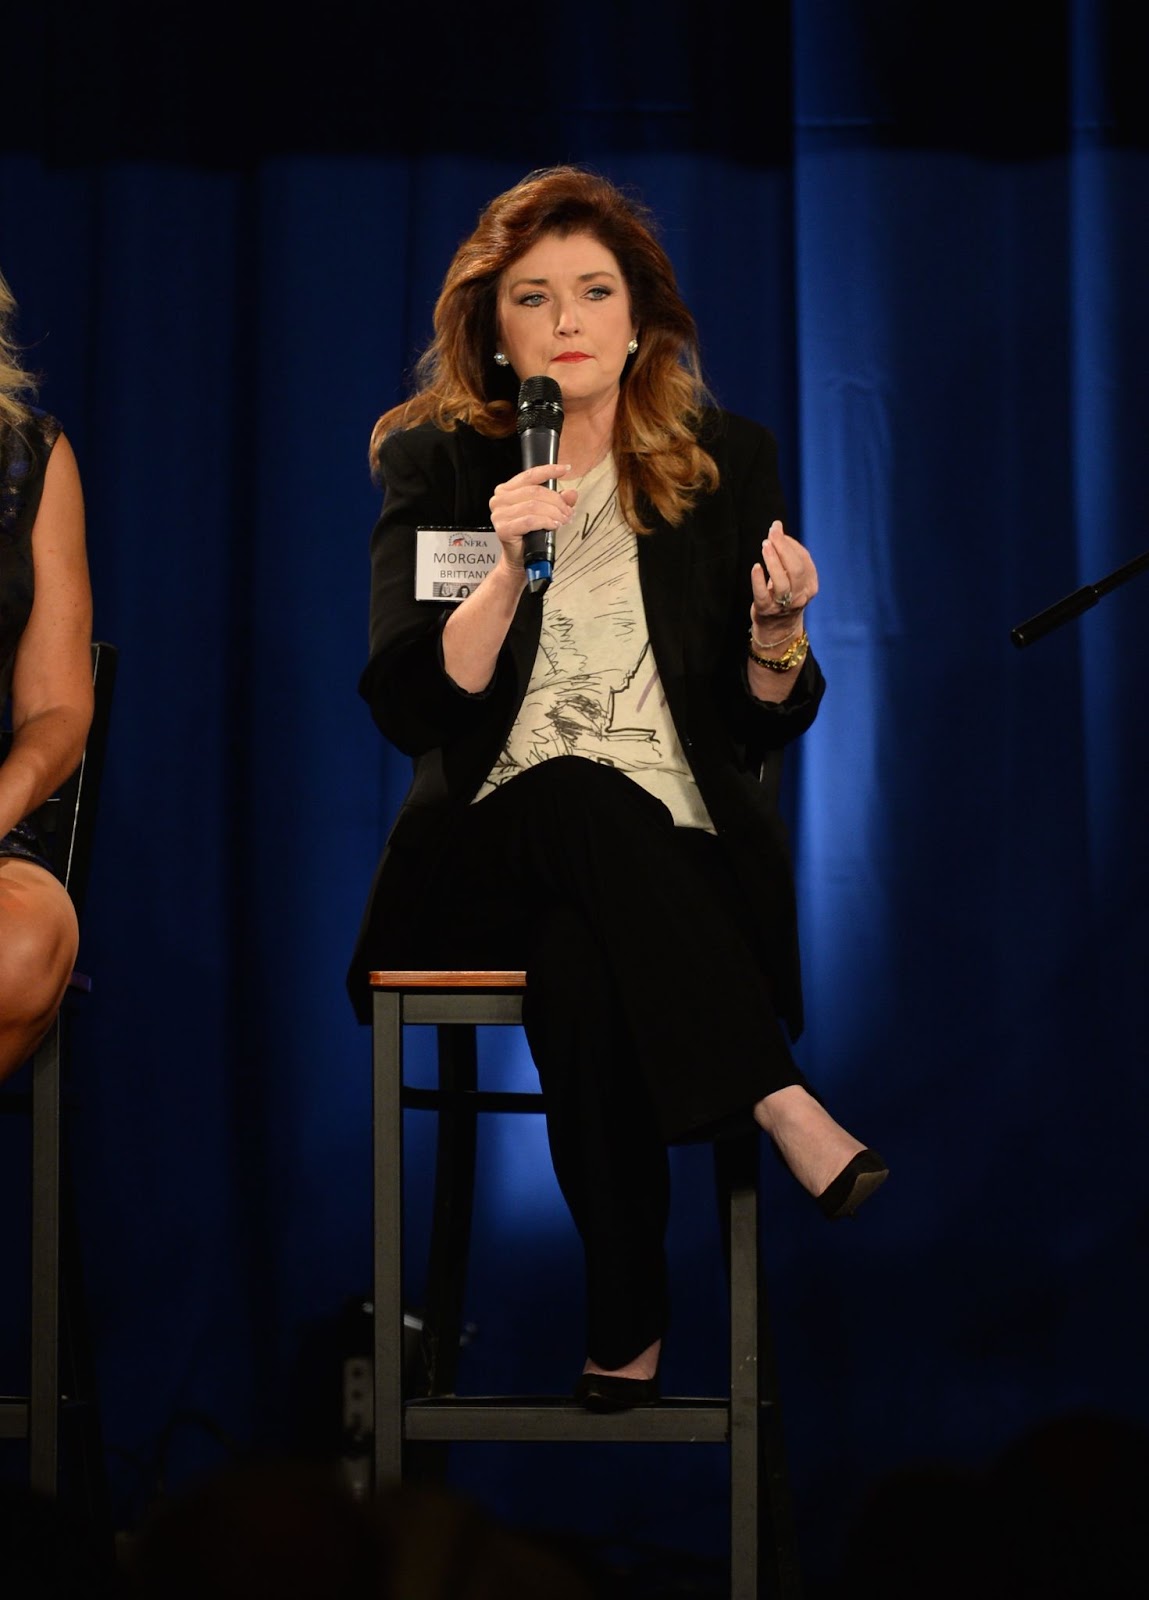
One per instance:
[(695, 581)]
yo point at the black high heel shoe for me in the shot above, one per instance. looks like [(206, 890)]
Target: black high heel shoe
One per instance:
[(604, 1391), (856, 1182)]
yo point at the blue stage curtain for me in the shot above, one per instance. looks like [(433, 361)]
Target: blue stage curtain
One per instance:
[(917, 247)]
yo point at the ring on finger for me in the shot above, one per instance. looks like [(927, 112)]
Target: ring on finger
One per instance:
[(785, 601)]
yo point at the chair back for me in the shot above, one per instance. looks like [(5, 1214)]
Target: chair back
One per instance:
[(66, 822)]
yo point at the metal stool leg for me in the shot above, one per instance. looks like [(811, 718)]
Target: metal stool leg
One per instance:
[(456, 1130), (451, 1219), (387, 1317), (762, 1534), (44, 1382)]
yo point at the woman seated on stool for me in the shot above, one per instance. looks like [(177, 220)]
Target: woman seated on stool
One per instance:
[(46, 684), (608, 745)]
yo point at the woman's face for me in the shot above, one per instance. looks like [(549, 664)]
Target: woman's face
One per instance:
[(564, 312)]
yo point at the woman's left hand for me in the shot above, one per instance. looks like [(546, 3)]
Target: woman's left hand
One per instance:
[(779, 601)]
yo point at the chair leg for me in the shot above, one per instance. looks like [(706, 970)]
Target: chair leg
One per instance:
[(44, 1379), (450, 1241), (387, 1270), (451, 1218), (80, 1429), (761, 1514)]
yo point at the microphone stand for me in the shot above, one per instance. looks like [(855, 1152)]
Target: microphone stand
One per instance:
[(1074, 604)]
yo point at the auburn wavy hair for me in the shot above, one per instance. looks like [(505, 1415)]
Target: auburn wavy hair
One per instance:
[(662, 394)]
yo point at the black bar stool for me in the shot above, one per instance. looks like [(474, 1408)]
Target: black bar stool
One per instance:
[(60, 1381), (763, 1552)]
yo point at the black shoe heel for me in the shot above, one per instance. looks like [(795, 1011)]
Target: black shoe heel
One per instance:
[(856, 1182)]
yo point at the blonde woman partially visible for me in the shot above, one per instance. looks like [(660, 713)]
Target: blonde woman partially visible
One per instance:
[(45, 694)]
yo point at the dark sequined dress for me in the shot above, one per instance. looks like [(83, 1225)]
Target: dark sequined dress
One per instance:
[(24, 454)]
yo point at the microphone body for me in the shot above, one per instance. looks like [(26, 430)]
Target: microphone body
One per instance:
[(540, 422)]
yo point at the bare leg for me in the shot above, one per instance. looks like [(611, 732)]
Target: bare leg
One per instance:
[(38, 942), (811, 1143)]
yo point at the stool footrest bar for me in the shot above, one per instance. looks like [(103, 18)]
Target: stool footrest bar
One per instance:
[(543, 1418)]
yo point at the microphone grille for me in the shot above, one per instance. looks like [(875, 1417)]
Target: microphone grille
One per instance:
[(540, 404)]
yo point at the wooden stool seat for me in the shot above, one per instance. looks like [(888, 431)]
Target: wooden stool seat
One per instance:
[(448, 978)]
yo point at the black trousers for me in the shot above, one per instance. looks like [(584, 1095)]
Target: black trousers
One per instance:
[(647, 1011)]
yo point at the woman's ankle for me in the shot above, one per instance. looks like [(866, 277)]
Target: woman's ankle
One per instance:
[(782, 1106)]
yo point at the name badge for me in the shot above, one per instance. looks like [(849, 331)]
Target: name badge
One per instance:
[(450, 563)]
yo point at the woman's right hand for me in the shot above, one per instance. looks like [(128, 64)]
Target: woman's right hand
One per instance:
[(524, 504), (474, 633)]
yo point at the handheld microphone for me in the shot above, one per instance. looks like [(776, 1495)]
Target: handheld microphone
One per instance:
[(540, 422)]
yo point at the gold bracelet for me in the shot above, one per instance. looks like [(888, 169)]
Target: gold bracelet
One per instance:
[(775, 644), (793, 655)]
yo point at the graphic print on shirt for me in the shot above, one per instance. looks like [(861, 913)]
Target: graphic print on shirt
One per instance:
[(613, 711)]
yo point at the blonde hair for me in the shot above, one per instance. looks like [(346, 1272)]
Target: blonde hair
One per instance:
[(662, 395), (15, 382)]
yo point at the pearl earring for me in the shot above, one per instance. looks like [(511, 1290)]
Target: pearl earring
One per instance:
[(633, 347), (501, 359)]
